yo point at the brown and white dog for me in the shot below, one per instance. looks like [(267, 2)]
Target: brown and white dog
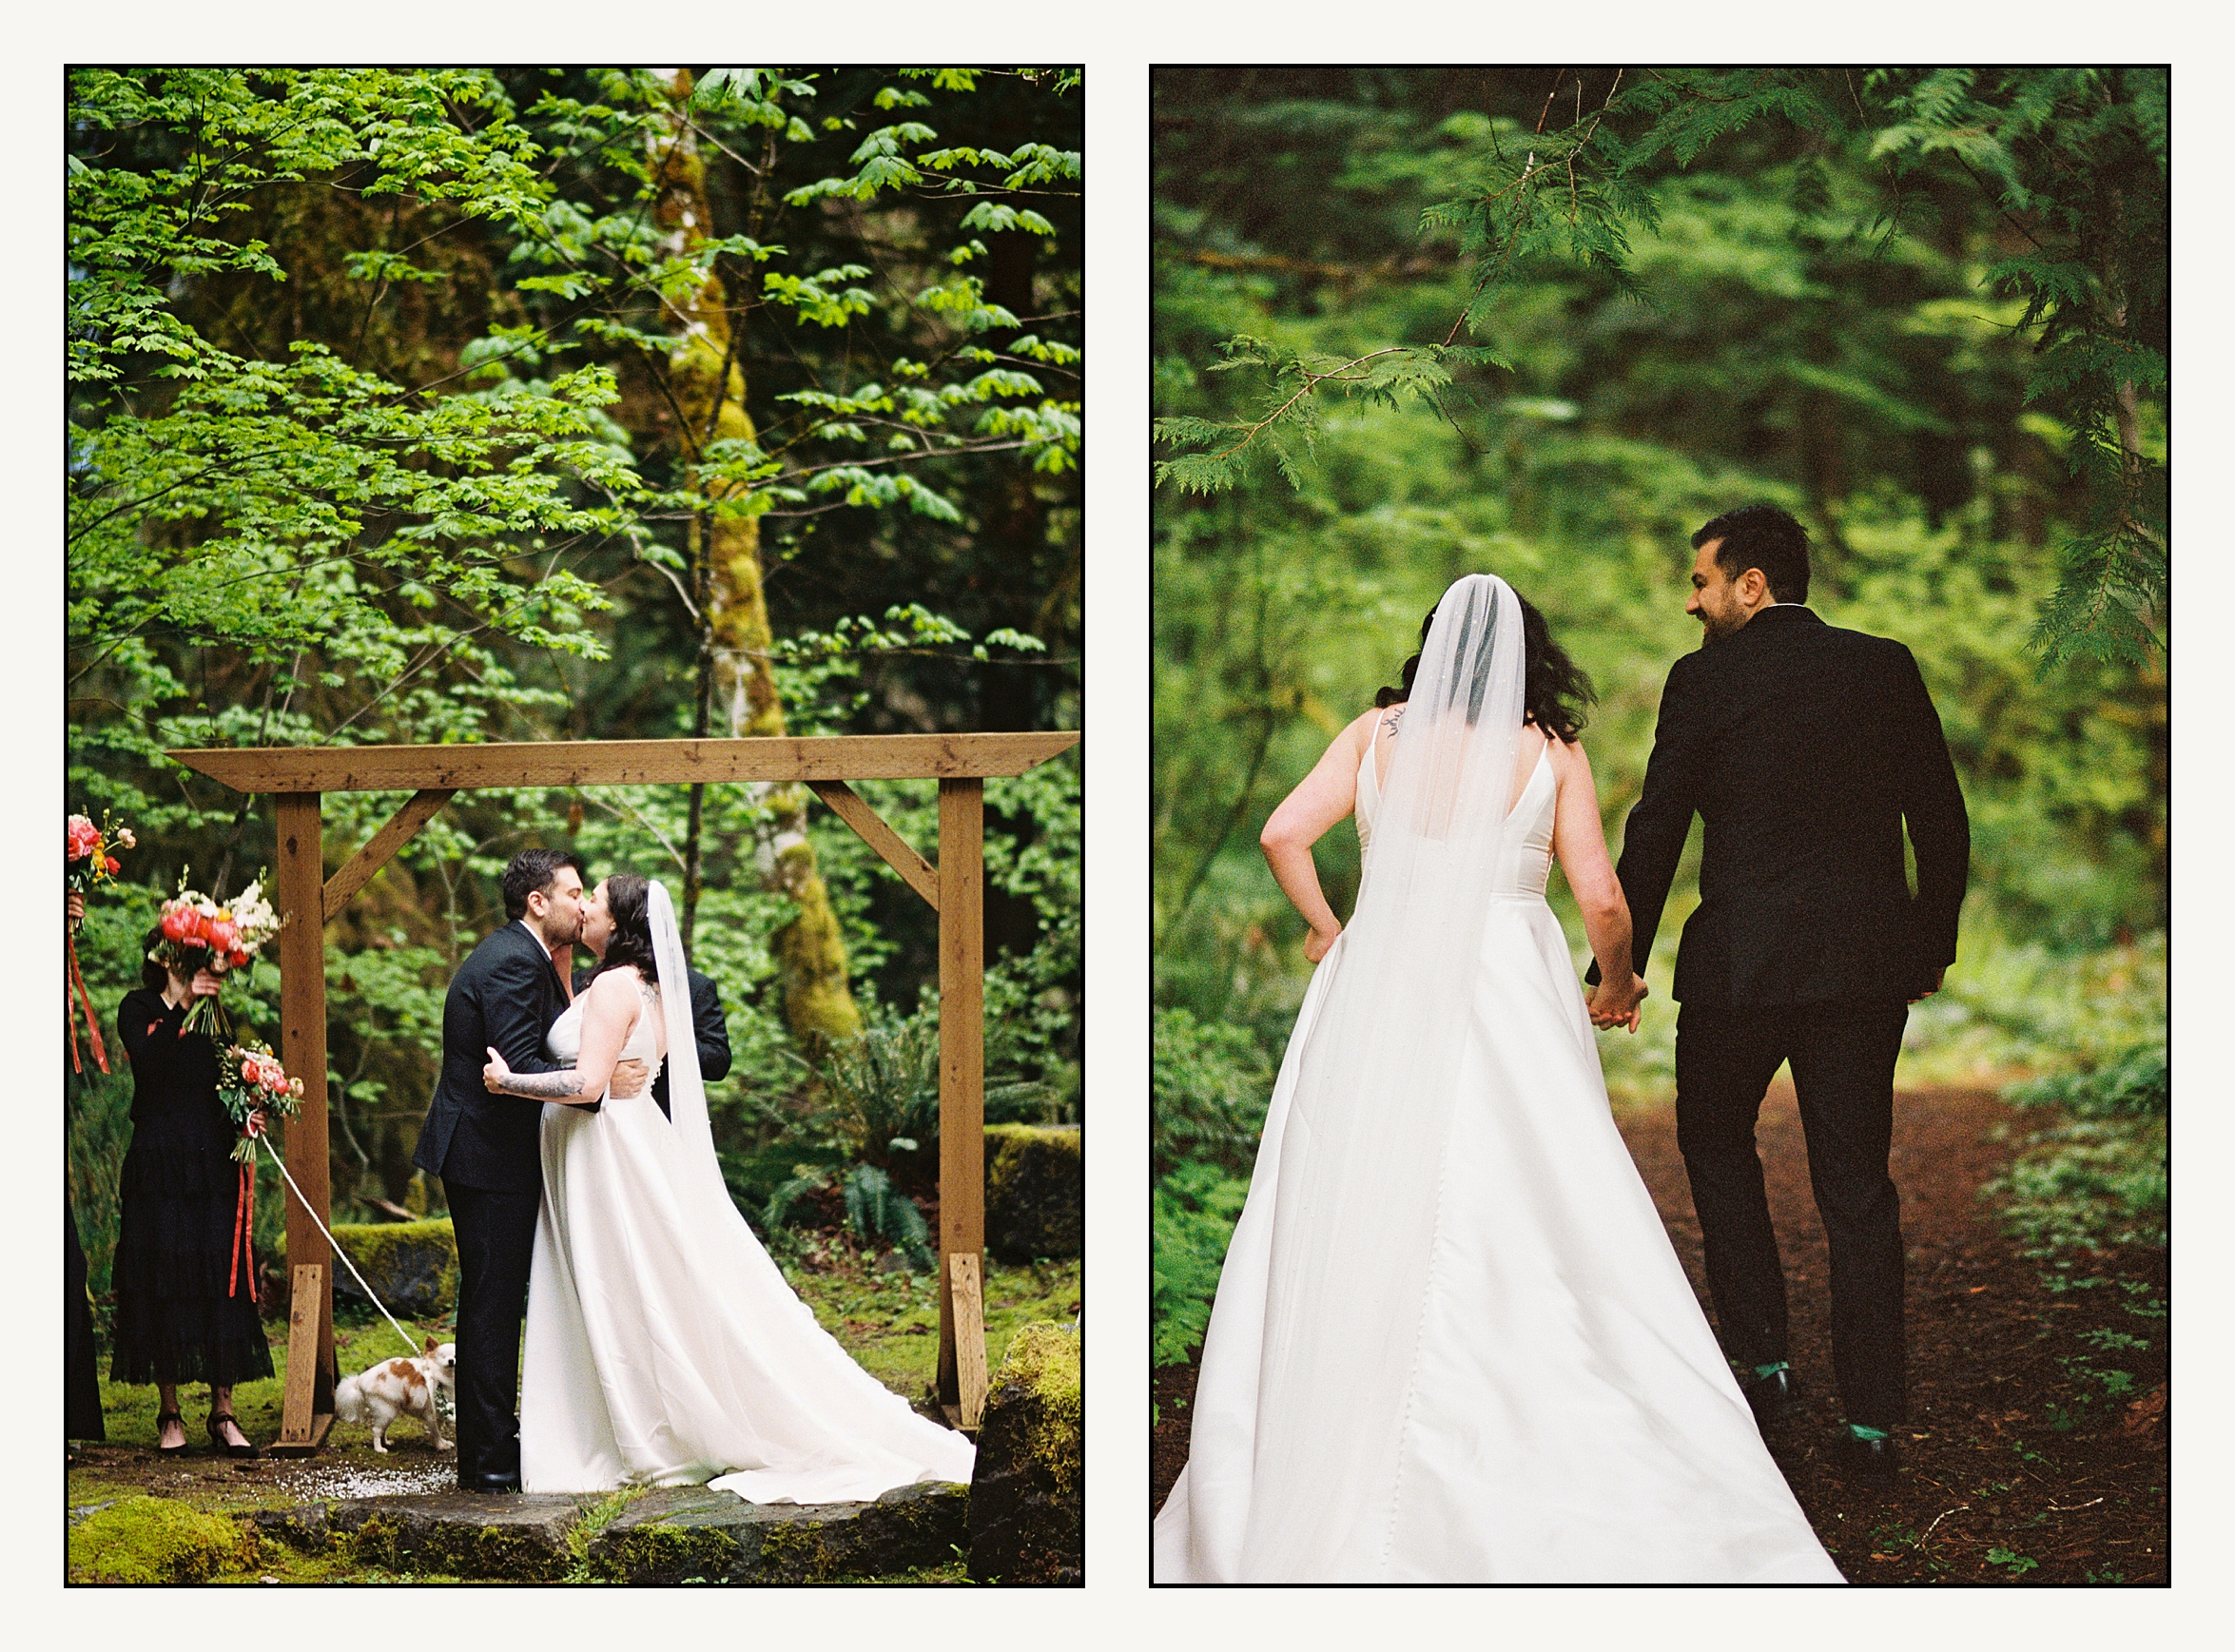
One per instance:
[(400, 1387)]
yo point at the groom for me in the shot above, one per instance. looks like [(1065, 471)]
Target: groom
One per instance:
[(486, 1147), (1805, 749)]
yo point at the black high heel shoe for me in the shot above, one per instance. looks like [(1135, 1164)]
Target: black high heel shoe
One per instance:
[(226, 1445), (161, 1449)]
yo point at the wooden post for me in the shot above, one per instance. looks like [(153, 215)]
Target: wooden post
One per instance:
[(302, 1425), (299, 894), (961, 1060), (969, 1300)]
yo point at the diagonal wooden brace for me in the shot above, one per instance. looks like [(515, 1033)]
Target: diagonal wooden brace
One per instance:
[(869, 826), (381, 848)]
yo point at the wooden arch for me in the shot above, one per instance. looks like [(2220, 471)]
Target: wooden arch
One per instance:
[(299, 776)]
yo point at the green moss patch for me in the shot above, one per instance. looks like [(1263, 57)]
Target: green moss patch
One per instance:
[(152, 1540), (1034, 1185), (1027, 1508), (413, 1266)]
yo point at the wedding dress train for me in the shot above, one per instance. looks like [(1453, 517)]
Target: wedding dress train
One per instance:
[(1561, 1411), (664, 1348)]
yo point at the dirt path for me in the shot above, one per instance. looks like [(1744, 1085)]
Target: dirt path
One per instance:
[(2028, 1460)]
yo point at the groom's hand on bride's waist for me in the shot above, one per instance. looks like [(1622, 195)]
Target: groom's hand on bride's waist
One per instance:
[(627, 1080)]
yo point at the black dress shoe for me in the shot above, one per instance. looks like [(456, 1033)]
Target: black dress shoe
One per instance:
[(1872, 1460), (492, 1481), (1774, 1398)]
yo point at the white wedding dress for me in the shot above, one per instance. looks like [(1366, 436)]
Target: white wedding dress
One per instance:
[(1563, 1414), (663, 1346)]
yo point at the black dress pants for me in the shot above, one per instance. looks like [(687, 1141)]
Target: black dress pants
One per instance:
[(495, 1243), (1842, 1058)]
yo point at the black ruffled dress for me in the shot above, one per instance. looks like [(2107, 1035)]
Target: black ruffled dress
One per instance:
[(184, 1311)]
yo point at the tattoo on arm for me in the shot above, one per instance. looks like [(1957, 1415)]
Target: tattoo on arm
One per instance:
[(549, 1086)]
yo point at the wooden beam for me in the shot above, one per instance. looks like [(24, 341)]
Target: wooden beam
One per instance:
[(305, 768), (299, 892), (962, 1056), (382, 847), (869, 826)]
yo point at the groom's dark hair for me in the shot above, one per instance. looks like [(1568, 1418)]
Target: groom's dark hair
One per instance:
[(533, 869), (1765, 538)]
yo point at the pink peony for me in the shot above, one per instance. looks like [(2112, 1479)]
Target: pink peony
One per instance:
[(84, 836)]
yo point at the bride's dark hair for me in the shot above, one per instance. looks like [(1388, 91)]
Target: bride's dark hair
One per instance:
[(627, 898), (1555, 691)]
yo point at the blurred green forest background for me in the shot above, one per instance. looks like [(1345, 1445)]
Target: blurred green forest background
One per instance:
[(541, 404), (1410, 323)]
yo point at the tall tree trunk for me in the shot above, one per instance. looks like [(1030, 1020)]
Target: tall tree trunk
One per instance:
[(709, 387)]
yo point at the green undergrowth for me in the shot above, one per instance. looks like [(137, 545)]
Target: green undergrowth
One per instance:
[(2089, 1182), (889, 1322), (361, 1339), (2084, 1195), (1191, 1215)]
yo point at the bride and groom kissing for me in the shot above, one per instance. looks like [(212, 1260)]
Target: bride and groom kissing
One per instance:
[(1452, 1341), (663, 1346)]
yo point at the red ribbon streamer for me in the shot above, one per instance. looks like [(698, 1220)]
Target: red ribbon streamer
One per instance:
[(77, 979), (242, 1250)]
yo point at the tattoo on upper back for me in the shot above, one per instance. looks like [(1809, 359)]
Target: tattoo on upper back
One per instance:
[(1389, 724)]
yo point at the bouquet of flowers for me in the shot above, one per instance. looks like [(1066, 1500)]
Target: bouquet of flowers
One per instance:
[(250, 1082), (200, 934), (86, 857), (253, 1088), (86, 861)]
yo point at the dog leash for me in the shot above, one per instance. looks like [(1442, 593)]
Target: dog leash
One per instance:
[(417, 1351)]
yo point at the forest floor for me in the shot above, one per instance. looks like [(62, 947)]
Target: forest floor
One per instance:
[(889, 1322), (2037, 1449)]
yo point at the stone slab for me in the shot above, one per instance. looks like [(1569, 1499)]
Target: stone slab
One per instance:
[(675, 1534), (456, 1533)]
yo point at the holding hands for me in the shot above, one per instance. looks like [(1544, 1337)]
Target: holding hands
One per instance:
[(1613, 1005)]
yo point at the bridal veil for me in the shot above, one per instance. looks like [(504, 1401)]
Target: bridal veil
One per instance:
[(1361, 1166)]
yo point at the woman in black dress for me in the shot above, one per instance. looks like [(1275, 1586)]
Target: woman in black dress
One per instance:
[(185, 1306), (81, 1362)]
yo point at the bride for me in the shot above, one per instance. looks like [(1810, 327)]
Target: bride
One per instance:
[(1451, 1342), (663, 1346)]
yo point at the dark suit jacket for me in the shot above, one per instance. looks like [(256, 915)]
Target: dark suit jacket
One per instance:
[(709, 1025), (507, 994), (1804, 749)]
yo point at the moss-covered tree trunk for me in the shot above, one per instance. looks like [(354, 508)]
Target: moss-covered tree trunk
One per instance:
[(708, 384)]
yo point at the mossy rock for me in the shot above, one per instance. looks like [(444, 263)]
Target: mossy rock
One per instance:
[(682, 1533), (413, 1265), (1035, 1186), (152, 1540), (518, 1539), (1027, 1502)]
